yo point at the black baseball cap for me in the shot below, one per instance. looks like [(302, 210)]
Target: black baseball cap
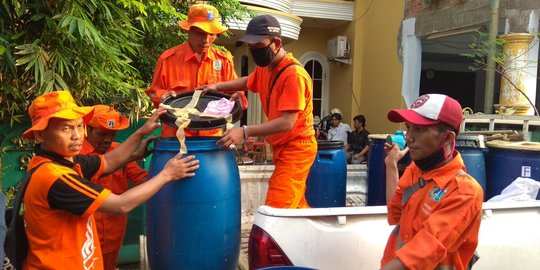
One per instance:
[(259, 28)]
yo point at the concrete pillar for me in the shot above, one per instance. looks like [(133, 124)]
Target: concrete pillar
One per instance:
[(515, 68)]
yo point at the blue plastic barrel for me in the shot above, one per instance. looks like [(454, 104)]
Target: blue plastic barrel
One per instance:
[(376, 174), (507, 161), (472, 150), (326, 184), (475, 164), (194, 223)]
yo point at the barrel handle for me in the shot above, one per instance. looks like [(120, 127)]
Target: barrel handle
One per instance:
[(326, 157)]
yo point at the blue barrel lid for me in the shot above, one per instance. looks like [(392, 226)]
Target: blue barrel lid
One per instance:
[(197, 122), (470, 140), (521, 145)]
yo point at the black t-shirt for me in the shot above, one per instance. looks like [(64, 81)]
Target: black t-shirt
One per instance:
[(358, 140)]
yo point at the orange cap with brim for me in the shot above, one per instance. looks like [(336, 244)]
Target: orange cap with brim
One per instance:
[(57, 104), (205, 17), (107, 118)]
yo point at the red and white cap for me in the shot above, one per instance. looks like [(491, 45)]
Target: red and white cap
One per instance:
[(430, 109)]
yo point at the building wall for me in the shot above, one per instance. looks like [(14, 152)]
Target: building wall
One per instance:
[(442, 15), (371, 83), (310, 39), (414, 8), (377, 70), (339, 75)]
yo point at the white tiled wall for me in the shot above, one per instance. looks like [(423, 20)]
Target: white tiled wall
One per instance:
[(254, 184)]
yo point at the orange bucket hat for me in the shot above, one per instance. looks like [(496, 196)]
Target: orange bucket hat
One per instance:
[(107, 118), (57, 104), (205, 17)]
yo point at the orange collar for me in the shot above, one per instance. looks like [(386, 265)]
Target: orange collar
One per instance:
[(190, 53), (441, 176)]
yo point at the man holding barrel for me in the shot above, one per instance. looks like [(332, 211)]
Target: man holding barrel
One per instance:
[(285, 90), (194, 63), (61, 199)]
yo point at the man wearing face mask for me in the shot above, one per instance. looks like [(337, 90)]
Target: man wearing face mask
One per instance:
[(285, 90), (436, 206)]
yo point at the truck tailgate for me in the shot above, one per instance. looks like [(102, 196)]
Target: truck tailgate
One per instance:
[(355, 237)]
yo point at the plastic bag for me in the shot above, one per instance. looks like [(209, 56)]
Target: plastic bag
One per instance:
[(220, 107), (522, 189)]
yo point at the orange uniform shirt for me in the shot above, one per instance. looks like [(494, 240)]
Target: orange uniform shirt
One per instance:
[(59, 207), (293, 91), (295, 150), (179, 69), (440, 222), (111, 228)]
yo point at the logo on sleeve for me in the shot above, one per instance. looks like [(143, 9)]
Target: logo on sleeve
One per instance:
[(436, 194), (217, 65)]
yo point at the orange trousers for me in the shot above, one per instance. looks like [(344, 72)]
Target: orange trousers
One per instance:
[(287, 184)]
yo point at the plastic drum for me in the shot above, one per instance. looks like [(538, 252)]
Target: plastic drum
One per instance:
[(376, 174), (472, 150), (194, 223), (507, 161), (326, 184)]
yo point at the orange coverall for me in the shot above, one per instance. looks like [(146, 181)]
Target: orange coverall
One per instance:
[(439, 224), (294, 150), (111, 228), (179, 69)]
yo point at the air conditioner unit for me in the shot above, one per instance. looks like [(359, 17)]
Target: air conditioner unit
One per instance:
[(338, 48)]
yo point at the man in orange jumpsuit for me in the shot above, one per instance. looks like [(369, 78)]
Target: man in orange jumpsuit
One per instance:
[(101, 131), (61, 198), (436, 206), (285, 90), (194, 63)]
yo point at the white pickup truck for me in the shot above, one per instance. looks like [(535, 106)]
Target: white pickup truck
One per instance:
[(354, 237)]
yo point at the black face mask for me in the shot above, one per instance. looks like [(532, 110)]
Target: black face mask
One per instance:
[(263, 56), (434, 159), (428, 163)]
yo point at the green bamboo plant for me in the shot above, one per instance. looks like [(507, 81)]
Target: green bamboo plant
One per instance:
[(102, 51)]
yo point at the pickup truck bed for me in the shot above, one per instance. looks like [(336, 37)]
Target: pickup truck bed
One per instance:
[(355, 237)]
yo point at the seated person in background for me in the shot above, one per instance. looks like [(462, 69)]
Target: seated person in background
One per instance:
[(319, 134), (338, 131), (357, 142), (324, 124), (101, 132)]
